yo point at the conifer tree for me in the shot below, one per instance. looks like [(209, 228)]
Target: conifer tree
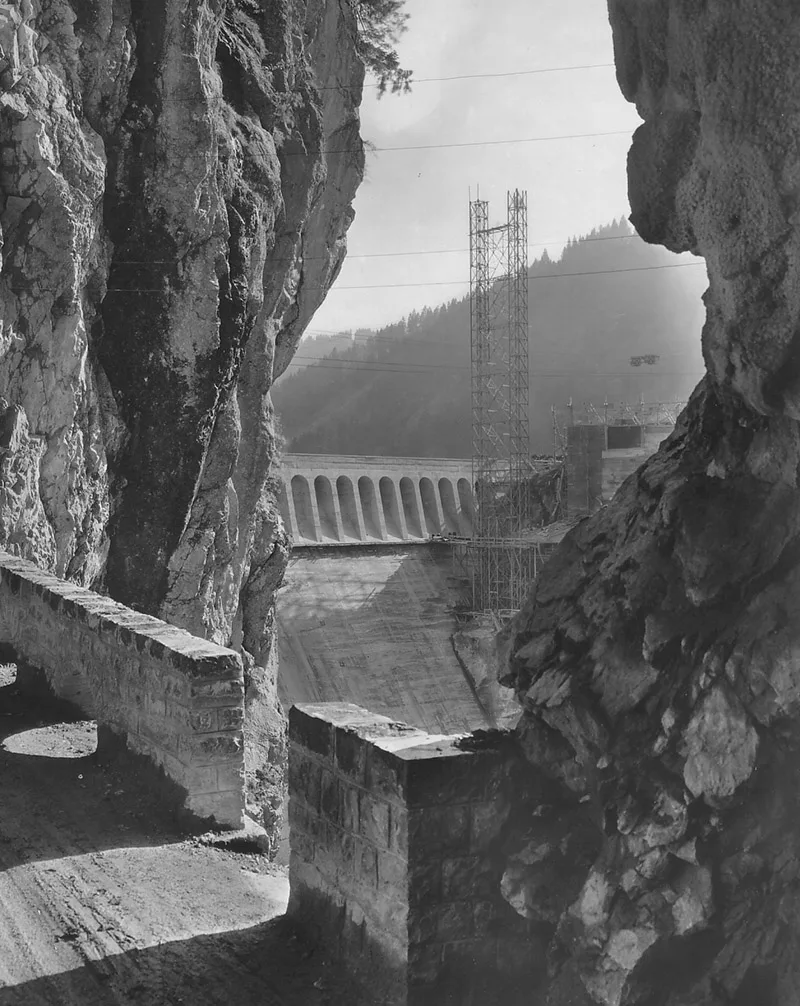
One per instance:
[(380, 25)]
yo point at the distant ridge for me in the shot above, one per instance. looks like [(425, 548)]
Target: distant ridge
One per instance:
[(631, 330)]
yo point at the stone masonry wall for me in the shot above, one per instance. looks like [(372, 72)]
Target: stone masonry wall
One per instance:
[(156, 691), (394, 867)]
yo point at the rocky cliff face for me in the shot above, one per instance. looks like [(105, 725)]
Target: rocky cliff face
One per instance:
[(170, 221), (658, 659)]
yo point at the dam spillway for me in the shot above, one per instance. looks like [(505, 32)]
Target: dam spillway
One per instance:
[(375, 626), (338, 499)]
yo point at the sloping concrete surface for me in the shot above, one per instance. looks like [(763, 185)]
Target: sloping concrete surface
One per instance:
[(374, 626)]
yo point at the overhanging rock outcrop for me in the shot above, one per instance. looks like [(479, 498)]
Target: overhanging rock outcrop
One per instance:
[(157, 692), (176, 186), (657, 657)]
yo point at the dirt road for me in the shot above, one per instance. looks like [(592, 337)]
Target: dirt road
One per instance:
[(103, 902)]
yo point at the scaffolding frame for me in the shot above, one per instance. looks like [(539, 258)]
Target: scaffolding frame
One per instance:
[(615, 414), (501, 466)]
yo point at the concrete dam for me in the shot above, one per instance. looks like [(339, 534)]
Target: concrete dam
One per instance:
[(336, 499), (373, 606), (368, 612)]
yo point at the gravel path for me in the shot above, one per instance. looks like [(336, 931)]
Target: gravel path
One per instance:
[(103, 902)]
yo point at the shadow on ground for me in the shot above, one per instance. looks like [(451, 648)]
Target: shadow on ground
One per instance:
[(265, 965), (44, 798), (104, 900)]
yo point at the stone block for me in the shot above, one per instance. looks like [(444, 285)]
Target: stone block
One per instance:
[(398, 829), (424, 963), (303, 846), (470, 977), (468, 877), (305, 778), (349, 807), (303, 874), (302, 820), (435, 777), (227, 809), (330, 797), (350, 755), (310, 730), (444, 772), (484, 916), (374, 820), (230, 775), (200, 779), (348, 854), (203, 720), (230, 717), (392, 871), (327, 853), (353, 930), (487, 821), (366, 864), (423, 925), (385, 775), (443, 829), (211, 746), (217, 688), (424, 881), (455, 921)]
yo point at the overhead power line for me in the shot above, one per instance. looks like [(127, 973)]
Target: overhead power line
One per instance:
[(466, 143), (479, 76), (325, 363), (515, 73), (401, 254), (457, 282), (554, 275), (465, 251), (362, 338)]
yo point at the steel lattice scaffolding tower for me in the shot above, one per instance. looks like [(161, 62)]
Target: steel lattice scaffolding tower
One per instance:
[(501, 469)]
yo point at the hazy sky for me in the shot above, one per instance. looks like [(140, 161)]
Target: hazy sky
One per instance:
[(417, 200)]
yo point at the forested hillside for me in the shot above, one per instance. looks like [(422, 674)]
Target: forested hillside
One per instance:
[(608, 302)]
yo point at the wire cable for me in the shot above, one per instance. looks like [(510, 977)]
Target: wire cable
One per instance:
[(475, 76), (455, 282), (325, 363), (464, 143), (555, 275), (400, 254)]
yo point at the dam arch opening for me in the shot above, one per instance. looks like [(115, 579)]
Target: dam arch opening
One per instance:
[(369, 506), (465, 506), (391, 510), (301, 498), (449, 507), (348, 508), (408, 496), (429, 506), (326, 507)]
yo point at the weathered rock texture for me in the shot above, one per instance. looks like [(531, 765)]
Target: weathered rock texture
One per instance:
[(170, 221), (658, 659)]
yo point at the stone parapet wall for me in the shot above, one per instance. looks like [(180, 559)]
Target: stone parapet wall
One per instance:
[(394, 867), (155, 690)]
